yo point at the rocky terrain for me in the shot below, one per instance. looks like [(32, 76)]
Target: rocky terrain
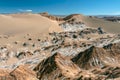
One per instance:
[(75, 52), (110, 18), (45, 14)]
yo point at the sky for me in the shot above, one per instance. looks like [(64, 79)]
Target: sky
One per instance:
[(62, 7)]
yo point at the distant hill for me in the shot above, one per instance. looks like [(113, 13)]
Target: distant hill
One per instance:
[(95, 22)]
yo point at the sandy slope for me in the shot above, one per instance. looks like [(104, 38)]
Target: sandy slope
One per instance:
[(112, 27), (16, 27), (20, 23), (108, 26)]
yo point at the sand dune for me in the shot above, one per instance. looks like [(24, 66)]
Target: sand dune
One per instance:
[(20, 23)]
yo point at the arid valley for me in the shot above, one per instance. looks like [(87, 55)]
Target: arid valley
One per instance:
[(46, 47)]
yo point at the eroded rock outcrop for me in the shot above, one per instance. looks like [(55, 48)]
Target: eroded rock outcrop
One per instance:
[(45, 14), (20, 73), (58, 67), (98, 57)]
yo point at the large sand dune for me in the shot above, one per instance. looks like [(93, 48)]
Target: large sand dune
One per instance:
[(20, 23)]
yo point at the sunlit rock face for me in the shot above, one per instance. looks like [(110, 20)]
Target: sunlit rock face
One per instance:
[(20, 73), (98, 57)]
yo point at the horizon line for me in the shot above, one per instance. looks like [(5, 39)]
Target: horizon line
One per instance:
[(60, 14)]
